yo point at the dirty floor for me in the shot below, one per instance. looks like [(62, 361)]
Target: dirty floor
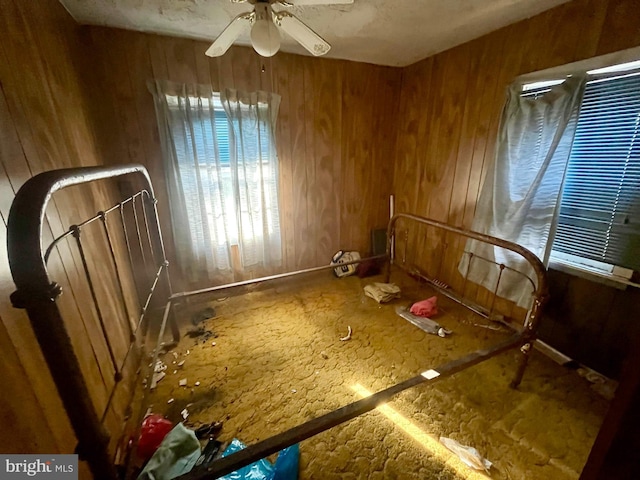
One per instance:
[(278, 361)]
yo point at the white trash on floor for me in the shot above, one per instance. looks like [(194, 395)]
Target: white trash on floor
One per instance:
[(426, 324), (469, 455)]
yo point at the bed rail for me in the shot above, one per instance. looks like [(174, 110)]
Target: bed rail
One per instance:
[(37, 292), (522, 339)]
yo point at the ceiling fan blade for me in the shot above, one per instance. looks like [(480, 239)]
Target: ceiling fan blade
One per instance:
[(316, 2), (229, 35), (302, 33)]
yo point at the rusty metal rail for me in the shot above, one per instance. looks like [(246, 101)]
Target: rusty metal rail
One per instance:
[(522, 339), (271, 445), (143, 239)]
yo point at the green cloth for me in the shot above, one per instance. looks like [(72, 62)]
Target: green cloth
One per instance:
[(176, 455)]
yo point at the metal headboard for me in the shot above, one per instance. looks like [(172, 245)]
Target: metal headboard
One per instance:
[(37, 292)]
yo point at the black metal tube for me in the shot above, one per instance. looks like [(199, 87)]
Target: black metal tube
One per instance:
[(37, 293), (175, 330), (117, 270), (93, 438), (146, 228), (135, 219), (150, 294), (115, 386), (75, 231), (252, 453), (531, 327), (495, 290), (52, 245), (270, 277), (128, 245)]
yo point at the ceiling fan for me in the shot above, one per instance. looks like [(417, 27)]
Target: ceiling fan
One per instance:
[(265, 24)]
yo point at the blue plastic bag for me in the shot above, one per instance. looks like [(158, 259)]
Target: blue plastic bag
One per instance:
[(285, 468)]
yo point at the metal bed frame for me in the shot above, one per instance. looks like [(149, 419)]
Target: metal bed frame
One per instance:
[(37, 293)]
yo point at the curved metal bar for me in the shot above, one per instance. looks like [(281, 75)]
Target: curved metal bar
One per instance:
[(540, 293), (506, 267), (57, 240), (534, 261), (27, 215), (53, 244), (37, 293)]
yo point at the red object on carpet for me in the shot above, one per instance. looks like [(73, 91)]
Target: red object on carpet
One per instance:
[(425, 308), (154, 428)]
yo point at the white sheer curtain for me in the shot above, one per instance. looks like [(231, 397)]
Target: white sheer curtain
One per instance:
[(221, 170), (520, 197), (255, 163)]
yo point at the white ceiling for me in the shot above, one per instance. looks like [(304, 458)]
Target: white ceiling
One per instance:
[(384, 32)]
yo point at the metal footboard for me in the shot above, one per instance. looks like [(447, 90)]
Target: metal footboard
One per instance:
[(522, 339), (538, 284)]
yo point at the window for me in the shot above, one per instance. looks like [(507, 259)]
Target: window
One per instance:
[(210, 134), (599, 221), (225, 180)]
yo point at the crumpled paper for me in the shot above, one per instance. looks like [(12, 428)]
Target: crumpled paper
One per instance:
[(469, 455)]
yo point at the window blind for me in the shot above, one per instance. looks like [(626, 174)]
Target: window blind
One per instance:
[(600, 208), (222, 129), (204, 130)]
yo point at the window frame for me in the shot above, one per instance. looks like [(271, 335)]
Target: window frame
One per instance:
[(602, 68), (240, 214)]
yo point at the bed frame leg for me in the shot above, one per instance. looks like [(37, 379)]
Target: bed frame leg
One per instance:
[(175, 330), (522, 363), (531, 325)]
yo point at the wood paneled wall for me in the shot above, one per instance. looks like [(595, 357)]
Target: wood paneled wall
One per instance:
[(335, 132), (450, 106), (591, 322), (71, 97), (45, 124)]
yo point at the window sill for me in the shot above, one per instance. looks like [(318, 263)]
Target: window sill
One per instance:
[(605, 278)]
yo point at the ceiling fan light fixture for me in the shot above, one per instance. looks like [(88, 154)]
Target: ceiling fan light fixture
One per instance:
[(266, 26), (265, 36)]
